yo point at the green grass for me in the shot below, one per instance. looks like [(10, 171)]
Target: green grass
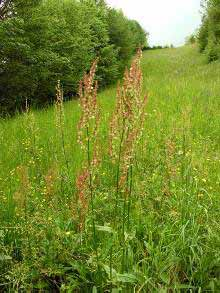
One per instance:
[(173, 242)]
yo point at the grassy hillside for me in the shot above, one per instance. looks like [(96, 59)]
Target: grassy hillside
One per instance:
[(172, 240)]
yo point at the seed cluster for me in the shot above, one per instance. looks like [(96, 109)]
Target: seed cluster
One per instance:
[(127, 121)]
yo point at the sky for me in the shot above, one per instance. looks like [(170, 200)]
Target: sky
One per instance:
[(167, 21)]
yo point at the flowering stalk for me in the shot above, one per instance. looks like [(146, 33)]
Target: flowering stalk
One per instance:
[(88, 136), (127, 121), (125, 132)]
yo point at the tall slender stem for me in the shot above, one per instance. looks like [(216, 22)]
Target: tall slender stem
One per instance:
[(118, 167), (91, 193), (123, 235), (129, 195), (63, 139), (111, 266)]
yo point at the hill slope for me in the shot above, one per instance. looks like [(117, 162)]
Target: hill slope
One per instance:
[(172, 240)]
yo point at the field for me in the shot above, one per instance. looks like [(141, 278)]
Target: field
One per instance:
[(161, 236)]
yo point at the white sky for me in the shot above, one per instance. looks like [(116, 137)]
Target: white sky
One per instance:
[(167, 21)]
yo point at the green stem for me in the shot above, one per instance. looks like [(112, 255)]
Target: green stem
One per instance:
[(123, 223), (118, 169), (129, 195), (63, 141), (111, 267), (91, 194), (123, 236)]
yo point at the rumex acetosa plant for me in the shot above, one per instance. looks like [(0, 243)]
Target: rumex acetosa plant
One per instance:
[(88, 128), (127, 124), (89, 122), (125, 131)]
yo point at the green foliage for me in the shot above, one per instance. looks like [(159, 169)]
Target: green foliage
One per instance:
[(209, 33), (191, 40), (44, 41), (120, 36), (125, 35), (203, 35), (138, 34)]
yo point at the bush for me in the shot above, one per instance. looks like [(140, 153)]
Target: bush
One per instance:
[(43, 41), (209, 33)]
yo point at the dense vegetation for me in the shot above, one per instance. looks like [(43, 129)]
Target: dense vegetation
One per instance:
[(137, 207), (43, 41), (209, 32), (191, 40)]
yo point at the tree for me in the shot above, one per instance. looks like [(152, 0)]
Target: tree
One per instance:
[(203, 34), (139, 34), (43, 41), (191, 40), (209, 32)]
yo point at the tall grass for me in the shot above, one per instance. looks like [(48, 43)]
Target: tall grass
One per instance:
[(114, 195)]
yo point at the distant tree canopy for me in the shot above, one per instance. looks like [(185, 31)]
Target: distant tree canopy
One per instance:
[(209, 32), (46, 40), (158, 47), (190, 40)]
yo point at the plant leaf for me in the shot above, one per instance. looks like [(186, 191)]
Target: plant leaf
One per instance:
[(104, 229), (5, 257)]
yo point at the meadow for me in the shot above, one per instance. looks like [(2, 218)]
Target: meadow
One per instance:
[(143, 221)]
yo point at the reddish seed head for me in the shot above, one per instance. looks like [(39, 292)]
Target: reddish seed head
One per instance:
[(88, 138), (127, 121), (88, 102)]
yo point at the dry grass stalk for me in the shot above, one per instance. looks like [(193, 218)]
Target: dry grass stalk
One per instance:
[(60, 118), (59, 106)]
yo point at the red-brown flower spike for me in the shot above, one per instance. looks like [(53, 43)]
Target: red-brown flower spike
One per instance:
[(127, 121), (89, 121), (88, 128)]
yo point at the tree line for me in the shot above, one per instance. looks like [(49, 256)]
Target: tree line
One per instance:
[(209, 32), (43, 41)]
